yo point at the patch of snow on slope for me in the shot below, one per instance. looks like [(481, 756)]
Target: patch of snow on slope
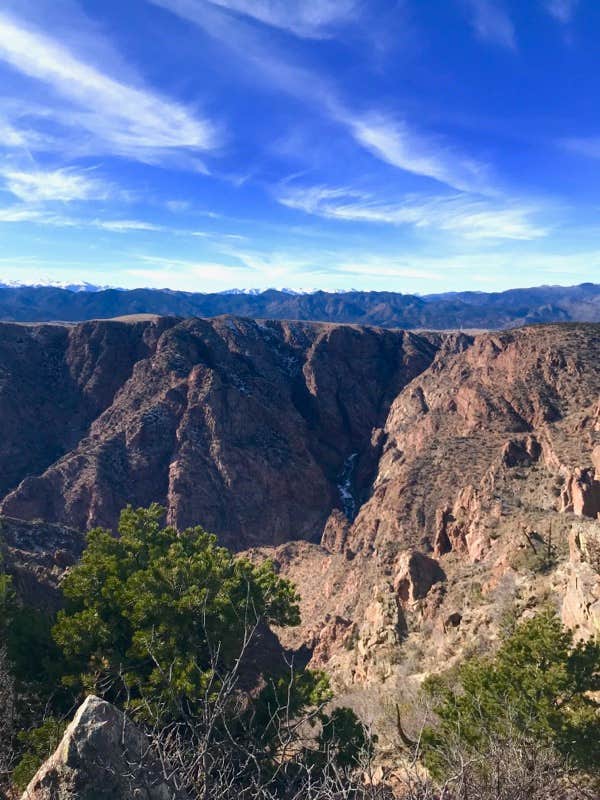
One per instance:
[(345, 486)]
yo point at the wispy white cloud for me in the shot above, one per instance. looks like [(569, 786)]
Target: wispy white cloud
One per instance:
[(412, 271), (304, 18), (380, 267), (562, 10), (177, 206), (11, 136), (37, 208), (22, 214), (187, 274), (487, 270), (246, 43), (186, 263), (21, 135), (461, 215), (41, 215), (122, 119), (388, 138), (274, 265), (501, 269), (397, 144), (64, 185), (243, 268), (491, 23), (125, 225)]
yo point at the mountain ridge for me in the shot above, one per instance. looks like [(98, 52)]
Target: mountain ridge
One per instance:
[(448, 311)]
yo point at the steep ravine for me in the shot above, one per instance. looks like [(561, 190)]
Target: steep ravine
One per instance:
[(238, 425), (55, 380)]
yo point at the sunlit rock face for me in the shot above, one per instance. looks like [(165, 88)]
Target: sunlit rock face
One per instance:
[(488, 465)]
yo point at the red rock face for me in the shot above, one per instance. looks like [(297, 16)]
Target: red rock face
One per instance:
[(417, 573), (508, 401), (489, 461), (55, 380), (581, 494), (240, 426)]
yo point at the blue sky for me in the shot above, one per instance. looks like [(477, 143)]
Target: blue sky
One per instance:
[(411, 145)]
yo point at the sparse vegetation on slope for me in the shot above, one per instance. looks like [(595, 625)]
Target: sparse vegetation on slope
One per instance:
[(166, 625), (477, 487), (537, 693)]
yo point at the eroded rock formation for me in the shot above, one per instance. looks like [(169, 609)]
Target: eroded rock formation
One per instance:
[(473, 475), (581, 601), (36, 555), (416, 574)]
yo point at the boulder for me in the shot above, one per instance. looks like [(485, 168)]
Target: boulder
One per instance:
[(102, 756)]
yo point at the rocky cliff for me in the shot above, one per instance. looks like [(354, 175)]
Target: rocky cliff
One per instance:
[(419, 489), (55, 380), (36, 556), (255, 430), (484, 507)]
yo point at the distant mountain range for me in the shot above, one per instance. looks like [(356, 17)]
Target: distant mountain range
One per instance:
[(455, 310)]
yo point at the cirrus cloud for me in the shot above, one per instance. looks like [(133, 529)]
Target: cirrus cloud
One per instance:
[(491, 23), (122, 119), (562, 10), (63, 185), (303, 18), (461, 214)]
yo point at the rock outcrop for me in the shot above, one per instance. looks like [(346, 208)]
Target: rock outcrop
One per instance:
[(459, 527), (102, 756), (581, 600), (581, 493), (36, 555), (416, 574)]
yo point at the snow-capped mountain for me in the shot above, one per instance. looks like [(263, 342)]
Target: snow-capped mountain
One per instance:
[(84, 286)]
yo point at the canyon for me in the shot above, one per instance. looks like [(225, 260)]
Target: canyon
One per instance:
[(418, 488)]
